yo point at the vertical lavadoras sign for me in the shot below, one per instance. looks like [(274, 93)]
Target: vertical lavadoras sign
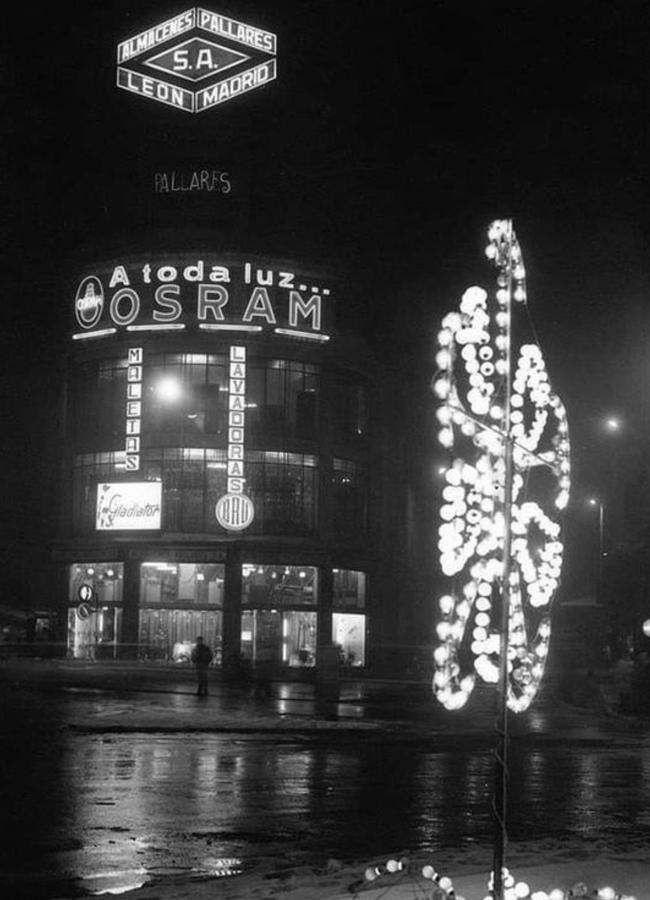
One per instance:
[(196, 60)]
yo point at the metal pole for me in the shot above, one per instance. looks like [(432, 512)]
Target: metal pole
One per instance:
[(601, 536), (501, 749)]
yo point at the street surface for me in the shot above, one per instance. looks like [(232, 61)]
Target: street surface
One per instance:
[(112, 781)]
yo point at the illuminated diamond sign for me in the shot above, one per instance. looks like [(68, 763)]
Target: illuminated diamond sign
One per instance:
[(196, 60)]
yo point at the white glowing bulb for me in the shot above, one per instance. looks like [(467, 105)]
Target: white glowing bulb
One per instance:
[(446, 604), (606, 893), (169, 389)]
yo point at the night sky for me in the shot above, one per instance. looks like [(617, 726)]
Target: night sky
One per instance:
[(394, 134)]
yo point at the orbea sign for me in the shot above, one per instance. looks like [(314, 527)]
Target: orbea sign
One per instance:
[(196, 60), (131, 505)]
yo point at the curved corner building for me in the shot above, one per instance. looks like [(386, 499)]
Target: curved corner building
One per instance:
[(224, 475)]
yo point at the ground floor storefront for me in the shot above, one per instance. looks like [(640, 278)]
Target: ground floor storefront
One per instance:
[(254, 608)]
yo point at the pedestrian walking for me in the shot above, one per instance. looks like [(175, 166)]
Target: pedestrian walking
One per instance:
[(201, 657)]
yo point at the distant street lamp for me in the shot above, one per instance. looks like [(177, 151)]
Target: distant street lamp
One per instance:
[(613, 424)]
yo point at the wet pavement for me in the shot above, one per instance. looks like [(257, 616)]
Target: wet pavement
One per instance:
[(115, 778)]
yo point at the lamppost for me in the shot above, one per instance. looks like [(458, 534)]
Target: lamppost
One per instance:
[(596, 501)]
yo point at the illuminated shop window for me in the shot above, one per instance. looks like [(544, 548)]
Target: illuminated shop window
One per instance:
[(282, 401), (349, 589), (171, 617), (349, 411), (181, 584), (94, 623), (270, 636), (98, 391), (169, 635), (186, 395), (279, 585), (283, 488), (349, 496), (349, 634)]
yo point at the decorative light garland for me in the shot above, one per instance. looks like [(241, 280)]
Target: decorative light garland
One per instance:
[(473, 359), (514, 890)]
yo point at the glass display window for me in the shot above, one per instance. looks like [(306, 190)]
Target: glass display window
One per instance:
[(169, 635), (348, 589), (271, 636), (299, 638), (181, 584), (94, 610), (349, 634), (279, 585), (106, 579), (94, 632)]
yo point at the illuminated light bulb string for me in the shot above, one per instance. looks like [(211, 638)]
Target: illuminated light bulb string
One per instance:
[(482, 401), (506, 484), (427, 882), (507, 480)]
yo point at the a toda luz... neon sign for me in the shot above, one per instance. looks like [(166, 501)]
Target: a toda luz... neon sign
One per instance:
[(158, 298)]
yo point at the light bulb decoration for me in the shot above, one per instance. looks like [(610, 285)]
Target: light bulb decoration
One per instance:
[(493, 388), (395, 871)]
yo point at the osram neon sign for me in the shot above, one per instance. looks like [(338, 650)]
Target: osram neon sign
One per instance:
[(196, 60), (179, 294)]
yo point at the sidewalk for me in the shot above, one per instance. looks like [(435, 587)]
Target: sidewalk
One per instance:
[(150, 697), (147, 697)]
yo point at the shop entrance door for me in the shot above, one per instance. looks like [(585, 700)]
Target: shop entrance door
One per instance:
[(262, 636), (93, 633)]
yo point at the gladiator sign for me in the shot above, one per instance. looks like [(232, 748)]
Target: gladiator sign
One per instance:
[(196, 60), (235, 511)]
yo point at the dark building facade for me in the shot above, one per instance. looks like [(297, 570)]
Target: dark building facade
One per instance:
[(229, 467), (233, 455)]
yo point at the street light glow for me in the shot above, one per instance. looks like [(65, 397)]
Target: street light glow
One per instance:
[(169, 389)]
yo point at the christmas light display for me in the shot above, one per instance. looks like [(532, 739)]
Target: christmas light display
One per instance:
[(443, 886), (507, 480)]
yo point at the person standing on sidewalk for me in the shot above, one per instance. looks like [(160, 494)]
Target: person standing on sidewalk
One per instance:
[(201, 657)]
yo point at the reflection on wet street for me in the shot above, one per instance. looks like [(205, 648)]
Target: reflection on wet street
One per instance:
[(116, 808)]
